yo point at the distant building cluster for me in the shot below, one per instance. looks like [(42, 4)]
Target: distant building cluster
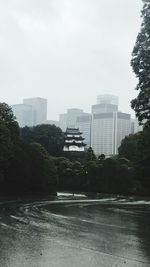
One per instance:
[(32, 112), (103, 129)]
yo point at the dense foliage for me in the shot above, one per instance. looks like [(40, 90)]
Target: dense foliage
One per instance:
[(24, 168), (27, 167), (105, 175), (129, 147), (49, 136), (136, 148), (141, 66)]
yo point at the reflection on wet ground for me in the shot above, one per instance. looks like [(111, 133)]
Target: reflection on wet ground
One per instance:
[(75, 230)]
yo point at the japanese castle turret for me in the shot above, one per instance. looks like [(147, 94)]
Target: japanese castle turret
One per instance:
[(74, 141)]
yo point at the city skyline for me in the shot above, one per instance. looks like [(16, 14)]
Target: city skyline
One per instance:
[(99, 106), (68, 51), (103, 128)]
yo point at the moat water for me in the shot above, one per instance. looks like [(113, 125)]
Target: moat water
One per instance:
[(75, 231)]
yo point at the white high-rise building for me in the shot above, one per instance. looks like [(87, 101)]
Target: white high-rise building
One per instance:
[(23, 114), (108, 99), (72, 115), (109, 126), (104, 108), (39, 106), (108, 130), (123, 128), (83, 122), (63, 121), (69, 119)]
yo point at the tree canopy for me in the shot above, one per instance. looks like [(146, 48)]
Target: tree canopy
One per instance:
[(141, 66), (129, 146), (49, 136), (23, 167), (9, 131)]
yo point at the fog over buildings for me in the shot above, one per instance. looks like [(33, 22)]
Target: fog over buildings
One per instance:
[(68, 51), (32, 112), (103, 128), (109, 126)]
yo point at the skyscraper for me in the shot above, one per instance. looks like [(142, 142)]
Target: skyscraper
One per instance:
[(72, 114), (23, 114), (63, 121), (39, 106), (69, 119), (83, 122), (108, 99), (104, 108), (109, 126)]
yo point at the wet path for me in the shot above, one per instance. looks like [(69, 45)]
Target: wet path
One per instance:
[(80, 232)]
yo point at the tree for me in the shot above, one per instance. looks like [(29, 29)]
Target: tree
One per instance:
[(90, 154), (101, 157), (5, 142), (9, 139), (43, 171), (9, 136), (129, 146), (6, 114), (8, 120), (141, 66), (143, 158), (31, 170), (49, 136)]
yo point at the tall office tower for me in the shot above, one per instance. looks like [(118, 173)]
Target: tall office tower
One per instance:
[(63, 121), (104, 108), (105, 104), (108, 130), (83, 122), (72, 114), (108, 99), (23, 114), (109, 126), (123, 128), (39, 106), (69, 119)]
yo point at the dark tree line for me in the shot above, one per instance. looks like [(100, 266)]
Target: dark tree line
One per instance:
[(141, 66), (24, 168), (29, 162), (49, 136), (137, 147), (111, 175)]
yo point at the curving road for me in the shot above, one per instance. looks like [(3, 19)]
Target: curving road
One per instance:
[(75, 231)]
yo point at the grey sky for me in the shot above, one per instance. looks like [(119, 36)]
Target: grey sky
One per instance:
[(68, 51)]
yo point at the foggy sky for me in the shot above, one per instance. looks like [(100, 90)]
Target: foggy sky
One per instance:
[(68, 51)]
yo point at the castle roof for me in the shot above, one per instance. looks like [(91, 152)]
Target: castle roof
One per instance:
[(73, 131)]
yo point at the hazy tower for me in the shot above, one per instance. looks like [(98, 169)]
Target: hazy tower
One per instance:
[(39, 106)]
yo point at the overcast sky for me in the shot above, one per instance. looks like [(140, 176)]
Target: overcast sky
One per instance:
[(68, 51)]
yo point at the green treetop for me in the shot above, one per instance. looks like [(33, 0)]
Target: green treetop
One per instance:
[(141, 66)]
